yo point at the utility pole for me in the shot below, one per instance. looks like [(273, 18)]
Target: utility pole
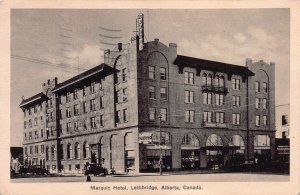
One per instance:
[(160, 146)]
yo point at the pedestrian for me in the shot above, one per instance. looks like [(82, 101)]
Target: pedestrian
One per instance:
[(88, 178)]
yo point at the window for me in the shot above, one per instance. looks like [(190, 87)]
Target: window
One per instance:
[(257, 120), (163, 113), (220, 117), (51, 116), (189, 116), (77, 151), (207, 98), (36, 149), (101, 121), (101, 102), (221, 81), (70, 167), (30, 123), (152, 94), (62, 151), (207, 117), (152, 114), (124, 94), (257, 86), (42, 133), (76, 109), (93, 122), (92, 87), (41, 118), (265, 103), (24, 124), (53, 152), (100, 84), (42, 149), (29, 111), (284, 120), (257, 103), (68, 97), (83, 91), (204, 79), (52, 131), (84, 150), (265, 87), (30, 150), (26, 151), (68, 126), (236, 101), (84, 107), (209, 80), (50, 102), (30, 135), (41, 107), (92, 105), (119, 100), (124, 73), (163, 93), (236, 84), (69, 151), (118, 116), (47, 152), (76, 94), (265, 120), (188, 77), (219, 99), (125, 115), (163, 74), (236, 119), (25, 136), (35, 135), (189, 97), (76, 125), (151, 70), (35, 109), (68, 112)]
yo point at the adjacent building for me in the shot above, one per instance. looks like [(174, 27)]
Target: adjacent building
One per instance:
[(146, 100)]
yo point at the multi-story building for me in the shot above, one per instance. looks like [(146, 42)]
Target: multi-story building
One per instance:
[(145, 102), (282, 121)]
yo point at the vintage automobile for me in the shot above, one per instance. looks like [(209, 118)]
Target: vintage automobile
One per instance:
[(95, 169), (33, 169)]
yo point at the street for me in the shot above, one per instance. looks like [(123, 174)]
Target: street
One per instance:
[(213, 177)]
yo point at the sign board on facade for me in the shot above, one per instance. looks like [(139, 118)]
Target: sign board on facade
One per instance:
[(145, 137)]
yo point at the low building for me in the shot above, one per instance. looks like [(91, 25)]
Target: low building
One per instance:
[(16, 158)]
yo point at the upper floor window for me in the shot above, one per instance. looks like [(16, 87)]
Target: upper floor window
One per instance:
[(207, 116), (151, 70), (207, 98), (163, 113), (119, 97), (68, 112), (83, 91), (35, 121), (152, 94), (84, 107), (189, 97), (220, 117), (163, 93), (76, 125), (209, 80), (35, 109), (76, 109), (125, 115), (101, 121), (219, 99), (257, 120), (284, 120), (189, 116), (236, 100), (41, 107), (265, 120), (42, 133), (124, 94), (29, 111), (24, 124), (30, 123), (76, 94), (265, 105), (68, 97), (163, 74), (93, 122), (118, 116), (236, 119), (265, 87), (152, 114), (257, 86), (257, 103), (124, 74), (236, 84), (92, 87), (188, 77), (101, 102), (92, 104)]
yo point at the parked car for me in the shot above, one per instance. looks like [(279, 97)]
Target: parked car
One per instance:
[(33, 169), (95, 170)]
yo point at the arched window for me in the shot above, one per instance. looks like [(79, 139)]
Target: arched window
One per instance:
[(47, 152), (190, 140), (221, 81), (165, 138), (214, 140), (84, 151), (77, 151), (217, 80), (209, 80), (261, 141), (53, 152), (204, 79), (69, 151), (129, 139), (237, 140)]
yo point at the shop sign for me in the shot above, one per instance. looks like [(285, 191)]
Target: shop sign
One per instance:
[(283, 150), (145, 138)]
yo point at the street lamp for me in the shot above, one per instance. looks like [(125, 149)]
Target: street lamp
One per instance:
[(160, 146)]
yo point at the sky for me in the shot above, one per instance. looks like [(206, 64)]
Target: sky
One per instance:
[(48, 43)]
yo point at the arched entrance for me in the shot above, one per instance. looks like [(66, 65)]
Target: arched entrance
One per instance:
[(236, 151), (190, 152), (214, 151)]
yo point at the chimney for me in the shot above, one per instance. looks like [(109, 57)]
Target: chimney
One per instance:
[(120, 46), (48, 81), (272, 63), (248, 61), (156, 41)]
